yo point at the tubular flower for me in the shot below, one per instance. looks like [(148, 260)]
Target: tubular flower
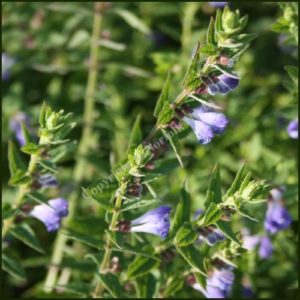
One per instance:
[(218, 285), (16, 127), (211, 234), (277, 218), (47, 180), (292, 129), (206, 123), (52, 213), (222, 84), (265, 249), (155, 221)]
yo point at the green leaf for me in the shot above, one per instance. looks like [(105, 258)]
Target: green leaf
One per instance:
[(26, 235), (16, 164), (112, 284), (49, 166), (8, 211), (218, 23), (103, 197), (210, 36), (30, 148), (183, 210), (201, 279), (245, 212), (226, 229), (19, 178), (78, 288), (165, 114), (174, 284), (137, 203), (293, 73), (42, 117), (212, 215), (141, 266), (133, 20), (145, 286), (240, 176), (191, 78), (13, 267), (136, 250), (193, 257), (26, 134), (37, 197), (214, 194), (186, 235), (174, 142), (163, 97), (136, 134), (85, 239)]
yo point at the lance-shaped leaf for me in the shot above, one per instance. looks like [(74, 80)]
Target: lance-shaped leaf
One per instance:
[(193, 257), (112, 284), (85, 239), (26, 235), (134, 204), (173, 285), (212, 215), (135, 135), (191, 79), (174, 142), (37, 197), (240, 176), (30, 148), (141, 266), (13, 267), (213, 194), (78, 288), (16, 166), (163, 97), (165, 114), (210, 35), (145, 286), (186, 235), (183, 210), (102, 196), (226, 229)]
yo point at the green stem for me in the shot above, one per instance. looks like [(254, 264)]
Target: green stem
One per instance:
[(24, 188), (108, 249), (83, 148)]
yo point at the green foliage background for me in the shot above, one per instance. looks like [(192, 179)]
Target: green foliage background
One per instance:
[(50, 42)]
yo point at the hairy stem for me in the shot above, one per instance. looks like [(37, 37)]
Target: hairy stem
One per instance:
[(83, 148), (23, 189), (107, 254)]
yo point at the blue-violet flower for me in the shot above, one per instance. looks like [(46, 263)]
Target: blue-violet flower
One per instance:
[(16, 126), (206, 123), (222, 84), (7, 63), (155, 221), (292, 129), (52, 213)]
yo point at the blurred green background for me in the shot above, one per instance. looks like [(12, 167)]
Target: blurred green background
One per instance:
[(50, 43)]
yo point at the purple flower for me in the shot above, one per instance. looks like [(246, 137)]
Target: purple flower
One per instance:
[(155, 221), (47, 180), (52, 213), (292, 129), (247, 292), (223, 84), (210, 234), (16, 126), (218, 285), (7, 63), (276, 194), (206, 123), (265, 248), (217, 4), (277, 217)]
